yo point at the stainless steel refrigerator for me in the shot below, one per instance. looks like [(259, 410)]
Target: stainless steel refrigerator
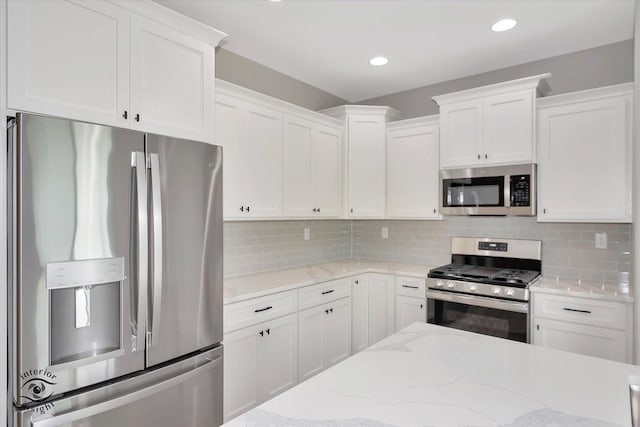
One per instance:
[(115, 276)]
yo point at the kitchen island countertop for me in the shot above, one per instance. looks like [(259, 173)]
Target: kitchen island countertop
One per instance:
[(427, 375)]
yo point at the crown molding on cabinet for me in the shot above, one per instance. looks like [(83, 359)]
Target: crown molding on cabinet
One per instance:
[(163, 15), (415, 122), (390, 114), (534, 82), (224, 87), (586, 95)]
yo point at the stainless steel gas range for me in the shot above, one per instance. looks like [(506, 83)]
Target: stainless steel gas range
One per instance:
[(485, 289)]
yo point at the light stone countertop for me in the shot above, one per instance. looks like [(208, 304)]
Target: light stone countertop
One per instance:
[(428, 375), (240, 288), (584, 289)]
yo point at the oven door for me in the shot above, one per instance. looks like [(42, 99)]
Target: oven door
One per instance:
[(488, 316)]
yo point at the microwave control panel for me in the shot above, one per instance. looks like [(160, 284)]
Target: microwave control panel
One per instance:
[(520, 190)]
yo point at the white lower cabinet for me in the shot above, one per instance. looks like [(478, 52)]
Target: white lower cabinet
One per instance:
[(587, 326), (373, 309), (410, 310), (260, 362), (324, 337)]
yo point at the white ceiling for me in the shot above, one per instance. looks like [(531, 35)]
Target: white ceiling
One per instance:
[(328, 43)]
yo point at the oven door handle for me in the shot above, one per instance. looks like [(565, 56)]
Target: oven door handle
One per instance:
[(516, 307)]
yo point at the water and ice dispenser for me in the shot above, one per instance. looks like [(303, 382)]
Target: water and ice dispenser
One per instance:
[(85, 307)]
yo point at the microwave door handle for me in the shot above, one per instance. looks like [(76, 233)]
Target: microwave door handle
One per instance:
[(156, 204), (507, 191), (139, 164)]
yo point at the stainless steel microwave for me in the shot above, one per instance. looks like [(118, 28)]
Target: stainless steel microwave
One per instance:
[(498, 190)]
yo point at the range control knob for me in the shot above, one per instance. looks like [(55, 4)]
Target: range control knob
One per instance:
[(439, 284), (473, 288), (451, 285), (496, 291), (510, 292)]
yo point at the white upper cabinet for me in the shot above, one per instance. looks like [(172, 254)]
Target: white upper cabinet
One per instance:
[(412, 168), (584, 144), (365, 139), (490, 125), (142, 67), (312, 169), (280, 160), (171, 82), (55, 69)]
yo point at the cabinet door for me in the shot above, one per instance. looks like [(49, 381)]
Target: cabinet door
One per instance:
[(461, 134), (588, 340), (381, 296), (327, 171), (585, 161), (228, 128), (240, 371), (260, 163), (171, 82), (297, 173), (366, 157), (360, 313), (508, 128), (409, 310), (336, 332), (277, 356), (310, 342), (56, 68), (413, 172)]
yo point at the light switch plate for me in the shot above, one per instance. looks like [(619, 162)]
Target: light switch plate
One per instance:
[(601, 240)]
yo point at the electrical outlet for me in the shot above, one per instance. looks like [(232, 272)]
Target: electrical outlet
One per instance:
[(601, 240), (307, 233), (385, 232)]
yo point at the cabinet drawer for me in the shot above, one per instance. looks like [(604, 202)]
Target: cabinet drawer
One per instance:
[(605, 314), (411, 287), (321, 293), (247, 313)]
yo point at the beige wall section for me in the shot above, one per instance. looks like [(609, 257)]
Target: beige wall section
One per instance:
[(600, 66), (246, 73)]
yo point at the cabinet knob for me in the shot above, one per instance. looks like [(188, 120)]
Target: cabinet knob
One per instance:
[(357, 282), (421, 306), (351, 210), (544, 211), (241, 208), (125, 114), (478, 156), (137, 117), (537, 327), (248, 208), (261, 333), (327, 311), (485, 156), (434, 211), (314, 209), (331, 310), (268, 331), (318, 210)]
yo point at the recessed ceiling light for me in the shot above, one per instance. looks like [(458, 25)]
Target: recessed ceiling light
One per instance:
[(378, 60), (504, 25)]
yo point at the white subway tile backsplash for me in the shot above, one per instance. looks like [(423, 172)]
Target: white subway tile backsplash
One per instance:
[(568, 250)]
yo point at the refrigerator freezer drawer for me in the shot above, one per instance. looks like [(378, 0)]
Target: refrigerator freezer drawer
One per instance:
[(187, 393)]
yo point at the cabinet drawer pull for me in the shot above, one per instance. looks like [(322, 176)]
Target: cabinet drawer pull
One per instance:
[(263, 309), (327, 292), (576, 310), (409, 286), (125, 115)]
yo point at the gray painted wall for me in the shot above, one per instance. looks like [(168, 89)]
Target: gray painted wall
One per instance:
[(244, 72), (600, 66)]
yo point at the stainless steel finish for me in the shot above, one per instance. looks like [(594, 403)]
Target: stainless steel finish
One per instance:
[(634, 400), (495, 171), (138, 329), (190, 178), (525, 249), (72, 190), (187, 393), (83, 307), (480, 289), (84, 273), (156, 260), (479, 301)]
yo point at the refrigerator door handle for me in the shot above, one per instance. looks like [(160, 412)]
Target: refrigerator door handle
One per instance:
[(126, 399), (139, 163), (156, 203)]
